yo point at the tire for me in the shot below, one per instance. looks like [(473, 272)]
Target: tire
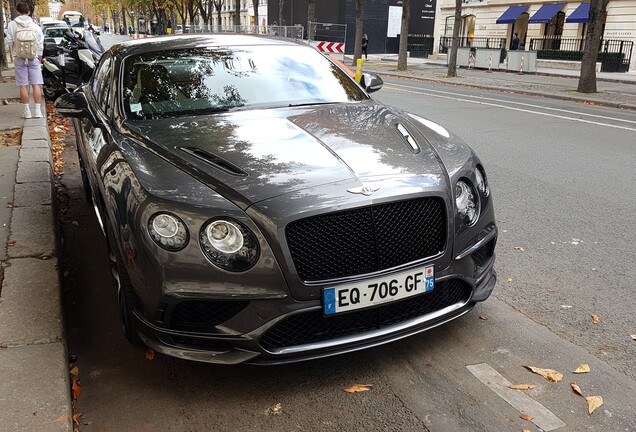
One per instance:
[(51, 89), (124, 294)]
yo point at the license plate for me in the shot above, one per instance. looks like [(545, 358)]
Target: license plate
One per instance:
[(359, 295)]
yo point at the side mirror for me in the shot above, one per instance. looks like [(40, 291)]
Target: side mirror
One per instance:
[(371, 82), (74, 105)]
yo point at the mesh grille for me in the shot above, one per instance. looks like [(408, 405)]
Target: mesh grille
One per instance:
[(367, 239), (193, 315), (314, 327)]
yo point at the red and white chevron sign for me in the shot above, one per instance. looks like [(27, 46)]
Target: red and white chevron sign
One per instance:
[(331, 47)]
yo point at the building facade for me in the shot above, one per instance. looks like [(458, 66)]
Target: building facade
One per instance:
[(499, 20)]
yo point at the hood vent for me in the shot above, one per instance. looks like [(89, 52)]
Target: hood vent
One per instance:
[(408, 138), (215, 161)]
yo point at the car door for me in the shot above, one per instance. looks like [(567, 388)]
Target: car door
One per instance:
[(100, 93)]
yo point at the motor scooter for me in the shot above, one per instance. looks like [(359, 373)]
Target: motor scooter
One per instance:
[(70, 64)]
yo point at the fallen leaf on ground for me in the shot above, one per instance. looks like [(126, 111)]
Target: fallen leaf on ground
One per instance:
[(525, 430), (582, 368), (150, 354), (576, 388), (274, 409), (523, 386), (11, 243), (356, 388), (526, 417), (76, 418), (519, 248), (44, 257), (509, 279), (76, 389), (595, 319), (633, 336), (593, 402), (75, 371), (62, 419), (549, 374), (483, 317)]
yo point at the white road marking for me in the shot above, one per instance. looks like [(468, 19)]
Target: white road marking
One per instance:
[(499, 105), (543, 418)]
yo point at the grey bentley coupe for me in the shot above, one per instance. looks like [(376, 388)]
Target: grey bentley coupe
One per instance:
[(259, 206)]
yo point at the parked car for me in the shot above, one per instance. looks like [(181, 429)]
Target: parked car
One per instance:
[(259, 206), (178, 29), (54, 23), (56, 33)]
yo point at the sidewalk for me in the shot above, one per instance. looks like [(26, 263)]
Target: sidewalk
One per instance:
[(617, 90), (34, 374)]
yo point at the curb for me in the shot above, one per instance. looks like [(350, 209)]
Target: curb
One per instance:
[(35, 389)]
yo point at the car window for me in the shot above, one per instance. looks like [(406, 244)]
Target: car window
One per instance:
[(178, 82), (55, 32), (100, 84)]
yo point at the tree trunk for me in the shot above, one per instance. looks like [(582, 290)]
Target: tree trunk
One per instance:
[(281, 5), (587, 79), (218, 4), (357, 50), (311, 18), (237, 13), (255, 6), (123, 18), (452, 61), (404, 35), (3, 51)]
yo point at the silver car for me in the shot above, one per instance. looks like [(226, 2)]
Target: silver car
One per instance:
[(261, 207)]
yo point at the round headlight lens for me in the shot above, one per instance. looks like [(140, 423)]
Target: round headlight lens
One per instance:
[(466, 203), (168, 231), (229, 244), (224, 236), (482, 186)]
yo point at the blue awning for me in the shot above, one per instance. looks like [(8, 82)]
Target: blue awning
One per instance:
[(580, 15), (511, 14), (545, 13)]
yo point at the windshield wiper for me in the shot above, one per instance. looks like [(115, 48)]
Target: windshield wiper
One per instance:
[(310, 104)]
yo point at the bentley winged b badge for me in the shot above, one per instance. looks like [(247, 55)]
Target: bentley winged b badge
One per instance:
[(364, 190)]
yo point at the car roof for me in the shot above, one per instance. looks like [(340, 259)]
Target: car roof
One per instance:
[(178, 42)]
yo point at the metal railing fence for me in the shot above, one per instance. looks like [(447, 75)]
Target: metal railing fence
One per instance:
[(615, 55), (477, 42)]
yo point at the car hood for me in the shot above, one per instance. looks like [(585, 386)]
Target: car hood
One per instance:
[(250, 156)]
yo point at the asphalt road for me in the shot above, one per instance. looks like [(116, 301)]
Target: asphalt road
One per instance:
[(563, 191)]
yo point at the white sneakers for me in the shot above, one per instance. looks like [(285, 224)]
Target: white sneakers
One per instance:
[(26, 114)]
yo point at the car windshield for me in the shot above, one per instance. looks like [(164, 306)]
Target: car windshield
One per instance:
[(208, 80), (56, 32), (93, 43)]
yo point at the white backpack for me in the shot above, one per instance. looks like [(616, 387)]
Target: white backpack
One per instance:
[(25, 41)]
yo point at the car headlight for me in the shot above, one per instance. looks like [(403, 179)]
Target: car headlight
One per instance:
[(482, 185), (466, 201), (230, 245), (168, 231)]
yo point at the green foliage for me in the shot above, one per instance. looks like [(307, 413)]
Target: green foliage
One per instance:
[(554, 54)]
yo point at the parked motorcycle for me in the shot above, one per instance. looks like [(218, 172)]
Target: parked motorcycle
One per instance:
[(70, 64)]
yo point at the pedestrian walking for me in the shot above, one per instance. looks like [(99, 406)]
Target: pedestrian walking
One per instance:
[(26, 40), (515, 42), (365, 45)]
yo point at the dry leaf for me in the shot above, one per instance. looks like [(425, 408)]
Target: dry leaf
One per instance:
[(583, 368), (150, 354), (595, 319), (44, 257), (62, 419), (274, 409), (76, 418), (526, 417), (633, 336), (356, 388), (77, 389), (526, 430), (593, 402), (75, 371), (523, 386), (483, 317), (11, 243), (519, 248), (549, 374), (509, 279), (576, 388)]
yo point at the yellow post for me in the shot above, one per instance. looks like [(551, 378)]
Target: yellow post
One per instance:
[(359, 70)]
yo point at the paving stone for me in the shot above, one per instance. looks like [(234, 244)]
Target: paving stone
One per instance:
[(35, 143), (34, 172), (32, 231), (35, 132), (38, 154), (32, 194)]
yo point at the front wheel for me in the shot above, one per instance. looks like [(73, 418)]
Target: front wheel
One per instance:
[(51, 89)]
